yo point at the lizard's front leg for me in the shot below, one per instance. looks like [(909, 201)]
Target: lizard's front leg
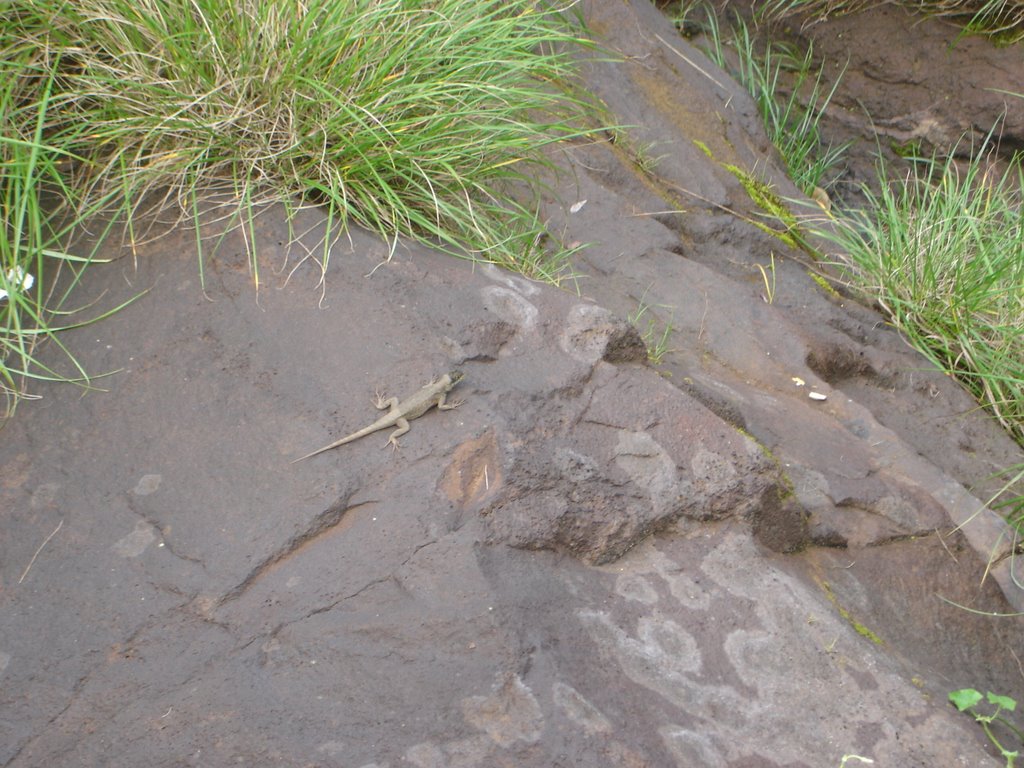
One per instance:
[(403, 427), (442, 405), (380, 402)]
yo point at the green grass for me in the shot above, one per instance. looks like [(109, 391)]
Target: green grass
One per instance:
[(787, 89), (940, 251), (656, 343), (35, 271), (429, 120)]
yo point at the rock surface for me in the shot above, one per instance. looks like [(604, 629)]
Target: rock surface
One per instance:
[(918, 84), (589, 563)]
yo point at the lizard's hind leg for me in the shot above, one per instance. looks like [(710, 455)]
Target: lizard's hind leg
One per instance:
[(403, 427)]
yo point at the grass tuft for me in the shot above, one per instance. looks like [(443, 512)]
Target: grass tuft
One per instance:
[(404, 118), (428, 120), (33, 232), (940, 252)]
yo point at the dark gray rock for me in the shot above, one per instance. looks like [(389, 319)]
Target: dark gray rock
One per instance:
[(625, 457)]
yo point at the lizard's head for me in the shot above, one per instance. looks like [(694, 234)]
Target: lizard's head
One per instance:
[(456, 376)]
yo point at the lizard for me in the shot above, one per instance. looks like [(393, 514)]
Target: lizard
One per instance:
[(401, 413)]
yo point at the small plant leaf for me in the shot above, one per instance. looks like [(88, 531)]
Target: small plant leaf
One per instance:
[(965, 698), (1002, 701)]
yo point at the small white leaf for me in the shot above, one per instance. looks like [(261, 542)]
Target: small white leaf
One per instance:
[(577, 206), (817, 396)]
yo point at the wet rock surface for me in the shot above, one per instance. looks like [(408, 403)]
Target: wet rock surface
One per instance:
[(589, 562), (918, 84)]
